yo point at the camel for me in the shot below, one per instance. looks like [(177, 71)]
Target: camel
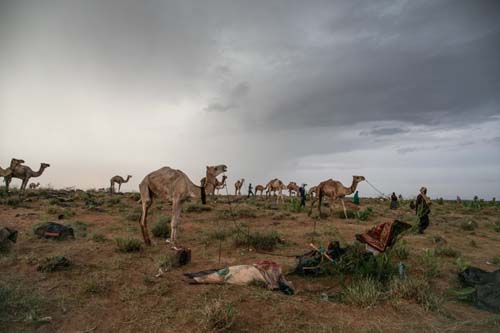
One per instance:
[(259, 188), (8, 171), (334, 190), (34, 185), (118, 180), (218, 185), (293, 187), (274, 186), (175, 186), (238, 185), (24, 173), (221, 184), (312, 192)]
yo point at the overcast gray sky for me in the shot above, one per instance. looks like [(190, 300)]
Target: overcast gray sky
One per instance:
[(406, 93)]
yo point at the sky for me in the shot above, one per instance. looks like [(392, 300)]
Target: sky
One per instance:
[(405, 93)]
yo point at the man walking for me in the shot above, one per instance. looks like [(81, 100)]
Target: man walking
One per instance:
[(250, 192), (422, 210)]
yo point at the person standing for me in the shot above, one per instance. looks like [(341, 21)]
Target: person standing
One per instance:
[(422, 210), (355, 199), (250, 192), (303, 195), (394, 201)]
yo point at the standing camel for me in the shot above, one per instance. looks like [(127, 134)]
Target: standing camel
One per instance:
[(274, 186), (334, 190), (8, 171), (34, 186), (173, 185), (118, 180), (221, 184), (238, 185), (24, 173), (259, 188), (217, 185), (312, 192), (293, 187)]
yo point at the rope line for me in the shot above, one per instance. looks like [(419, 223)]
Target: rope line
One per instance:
[(380, 192)]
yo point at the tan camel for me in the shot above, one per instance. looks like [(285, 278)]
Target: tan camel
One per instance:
[(173, 185), (117, 180), (216, 186), (312, 192), (24, 173), (238, 185), (34, 185), (334, 190), (259, 188), (8, 171), (293, 187), (221, 184), (275, 186)]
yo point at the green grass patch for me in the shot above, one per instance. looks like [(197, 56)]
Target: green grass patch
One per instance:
[(266, 241), (20, 304), (365, 292), (128, 245), (162, 227)]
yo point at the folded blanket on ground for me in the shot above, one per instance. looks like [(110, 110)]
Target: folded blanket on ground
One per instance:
[(267, 272)]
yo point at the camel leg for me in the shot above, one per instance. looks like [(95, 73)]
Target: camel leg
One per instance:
[(176, 213), (119, 186), (146, 203), (24, 184), (111, 187), (345, 211)]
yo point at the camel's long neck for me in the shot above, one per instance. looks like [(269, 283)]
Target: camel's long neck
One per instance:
[(126, 180), (351, 189), (39, 172)]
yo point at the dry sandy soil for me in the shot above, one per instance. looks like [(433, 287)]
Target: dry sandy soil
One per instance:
[(106, 290)]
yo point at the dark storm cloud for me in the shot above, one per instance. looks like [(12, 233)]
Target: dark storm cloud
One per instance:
[(385, 131)]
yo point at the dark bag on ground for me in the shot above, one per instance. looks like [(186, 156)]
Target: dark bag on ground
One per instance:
[(54, 231), (8, 234), (487, 287)]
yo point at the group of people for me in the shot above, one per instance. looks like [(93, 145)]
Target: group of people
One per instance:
[(421, 205)]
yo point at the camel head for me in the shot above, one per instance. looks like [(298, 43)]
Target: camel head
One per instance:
[(214, 171), (44, 165), (128, 177), (357, 179)]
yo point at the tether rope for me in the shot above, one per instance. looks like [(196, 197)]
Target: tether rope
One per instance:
[(380, 192)]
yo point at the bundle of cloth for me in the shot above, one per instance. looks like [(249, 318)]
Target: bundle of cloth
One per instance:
[(267, 272), (484, 288), (382, 236)]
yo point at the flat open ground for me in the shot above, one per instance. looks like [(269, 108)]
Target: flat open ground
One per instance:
[(108, 290)]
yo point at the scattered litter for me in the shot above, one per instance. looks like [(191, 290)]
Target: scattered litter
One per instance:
[(266, 272), (54, 231)]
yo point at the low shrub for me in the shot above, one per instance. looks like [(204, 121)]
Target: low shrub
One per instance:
[(162, 227), (468, 225), (429, 264), (440, 201), (133, 216), (237, 213), (363, 215), (218, 315), (447, 252), (196, 208), (363, 292), (401, 250), (53, 264), (97, 284), (259, 241), (128, 245), (20, 304), (416, 289)]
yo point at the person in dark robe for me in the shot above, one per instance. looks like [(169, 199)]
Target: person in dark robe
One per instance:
[(394, 201), (422, 210), (303, 195), (250, 191)]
